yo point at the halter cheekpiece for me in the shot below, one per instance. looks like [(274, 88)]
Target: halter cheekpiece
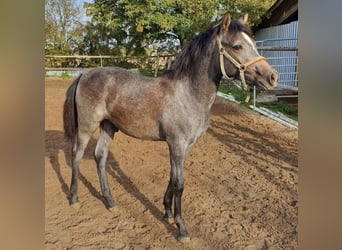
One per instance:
[(241, 66)]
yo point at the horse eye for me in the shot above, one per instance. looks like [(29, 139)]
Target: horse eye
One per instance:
[(237, 47)]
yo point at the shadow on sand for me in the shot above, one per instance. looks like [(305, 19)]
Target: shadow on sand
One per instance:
[(55, 142)]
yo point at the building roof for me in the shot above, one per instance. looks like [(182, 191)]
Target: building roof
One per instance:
[(281, 12)]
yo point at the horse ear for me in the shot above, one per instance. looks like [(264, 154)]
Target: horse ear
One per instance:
[(226, 22), (244, 19)]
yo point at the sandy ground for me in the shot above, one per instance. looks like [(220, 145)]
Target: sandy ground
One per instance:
[(241, 186)]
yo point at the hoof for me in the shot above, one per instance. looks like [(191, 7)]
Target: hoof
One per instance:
[(112, 208), (184, 239), (109, 203), (168, 218), (75, 205)]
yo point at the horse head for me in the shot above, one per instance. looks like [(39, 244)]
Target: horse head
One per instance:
[(239, 57)]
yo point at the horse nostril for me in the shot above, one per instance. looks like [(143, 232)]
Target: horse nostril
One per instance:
[(273, 78)]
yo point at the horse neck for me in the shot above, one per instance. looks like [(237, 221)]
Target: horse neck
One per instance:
[(208, 77)]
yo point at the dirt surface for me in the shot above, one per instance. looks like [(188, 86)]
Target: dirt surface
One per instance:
[(241, 186)]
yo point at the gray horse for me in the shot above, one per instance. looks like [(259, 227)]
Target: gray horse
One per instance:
[(174, 107)]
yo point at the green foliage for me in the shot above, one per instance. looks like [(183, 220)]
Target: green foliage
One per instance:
[(255, 9), (63, 29), (136, 24), (136, 27)]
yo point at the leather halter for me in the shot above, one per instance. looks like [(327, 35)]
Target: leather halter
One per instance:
[(241, 66)]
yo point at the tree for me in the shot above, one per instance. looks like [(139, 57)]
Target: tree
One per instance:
[(106, 31), (132, 25), (63, 28)]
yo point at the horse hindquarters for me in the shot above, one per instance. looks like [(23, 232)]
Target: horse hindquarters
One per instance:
[(79, 125)]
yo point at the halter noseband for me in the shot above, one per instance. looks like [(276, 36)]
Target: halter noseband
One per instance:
[(241, 66)]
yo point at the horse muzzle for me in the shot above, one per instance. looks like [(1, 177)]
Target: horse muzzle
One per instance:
[(265, 78)]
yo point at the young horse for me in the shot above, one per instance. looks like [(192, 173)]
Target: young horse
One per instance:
[(174, 107)]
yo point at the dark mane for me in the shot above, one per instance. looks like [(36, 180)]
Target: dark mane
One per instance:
[(190, 57), (188, 61)]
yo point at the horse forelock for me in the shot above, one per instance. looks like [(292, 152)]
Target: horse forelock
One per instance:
[(235, 27)]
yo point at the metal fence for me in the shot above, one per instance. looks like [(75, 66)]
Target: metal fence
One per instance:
[(279, 45), (282, 54)]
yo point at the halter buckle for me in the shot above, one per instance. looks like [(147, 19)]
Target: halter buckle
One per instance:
[(242, 67)]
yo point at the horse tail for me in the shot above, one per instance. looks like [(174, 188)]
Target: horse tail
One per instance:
[(70, 112)]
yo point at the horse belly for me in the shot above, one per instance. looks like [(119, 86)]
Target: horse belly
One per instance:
[(136, 122)]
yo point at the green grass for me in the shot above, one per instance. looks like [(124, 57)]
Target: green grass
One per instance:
[(284, 108), (238, 94), (281, 106), (64, 75)]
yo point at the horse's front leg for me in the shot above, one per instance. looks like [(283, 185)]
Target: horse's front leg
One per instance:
[(177, 157)]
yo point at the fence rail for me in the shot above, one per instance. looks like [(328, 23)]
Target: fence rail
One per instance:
[(277, 48), (77, 63), (282, 54), (283, 39)]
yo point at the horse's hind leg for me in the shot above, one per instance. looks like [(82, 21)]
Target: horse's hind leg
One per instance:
[(107, 130), (77, 153), (168, 200)]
